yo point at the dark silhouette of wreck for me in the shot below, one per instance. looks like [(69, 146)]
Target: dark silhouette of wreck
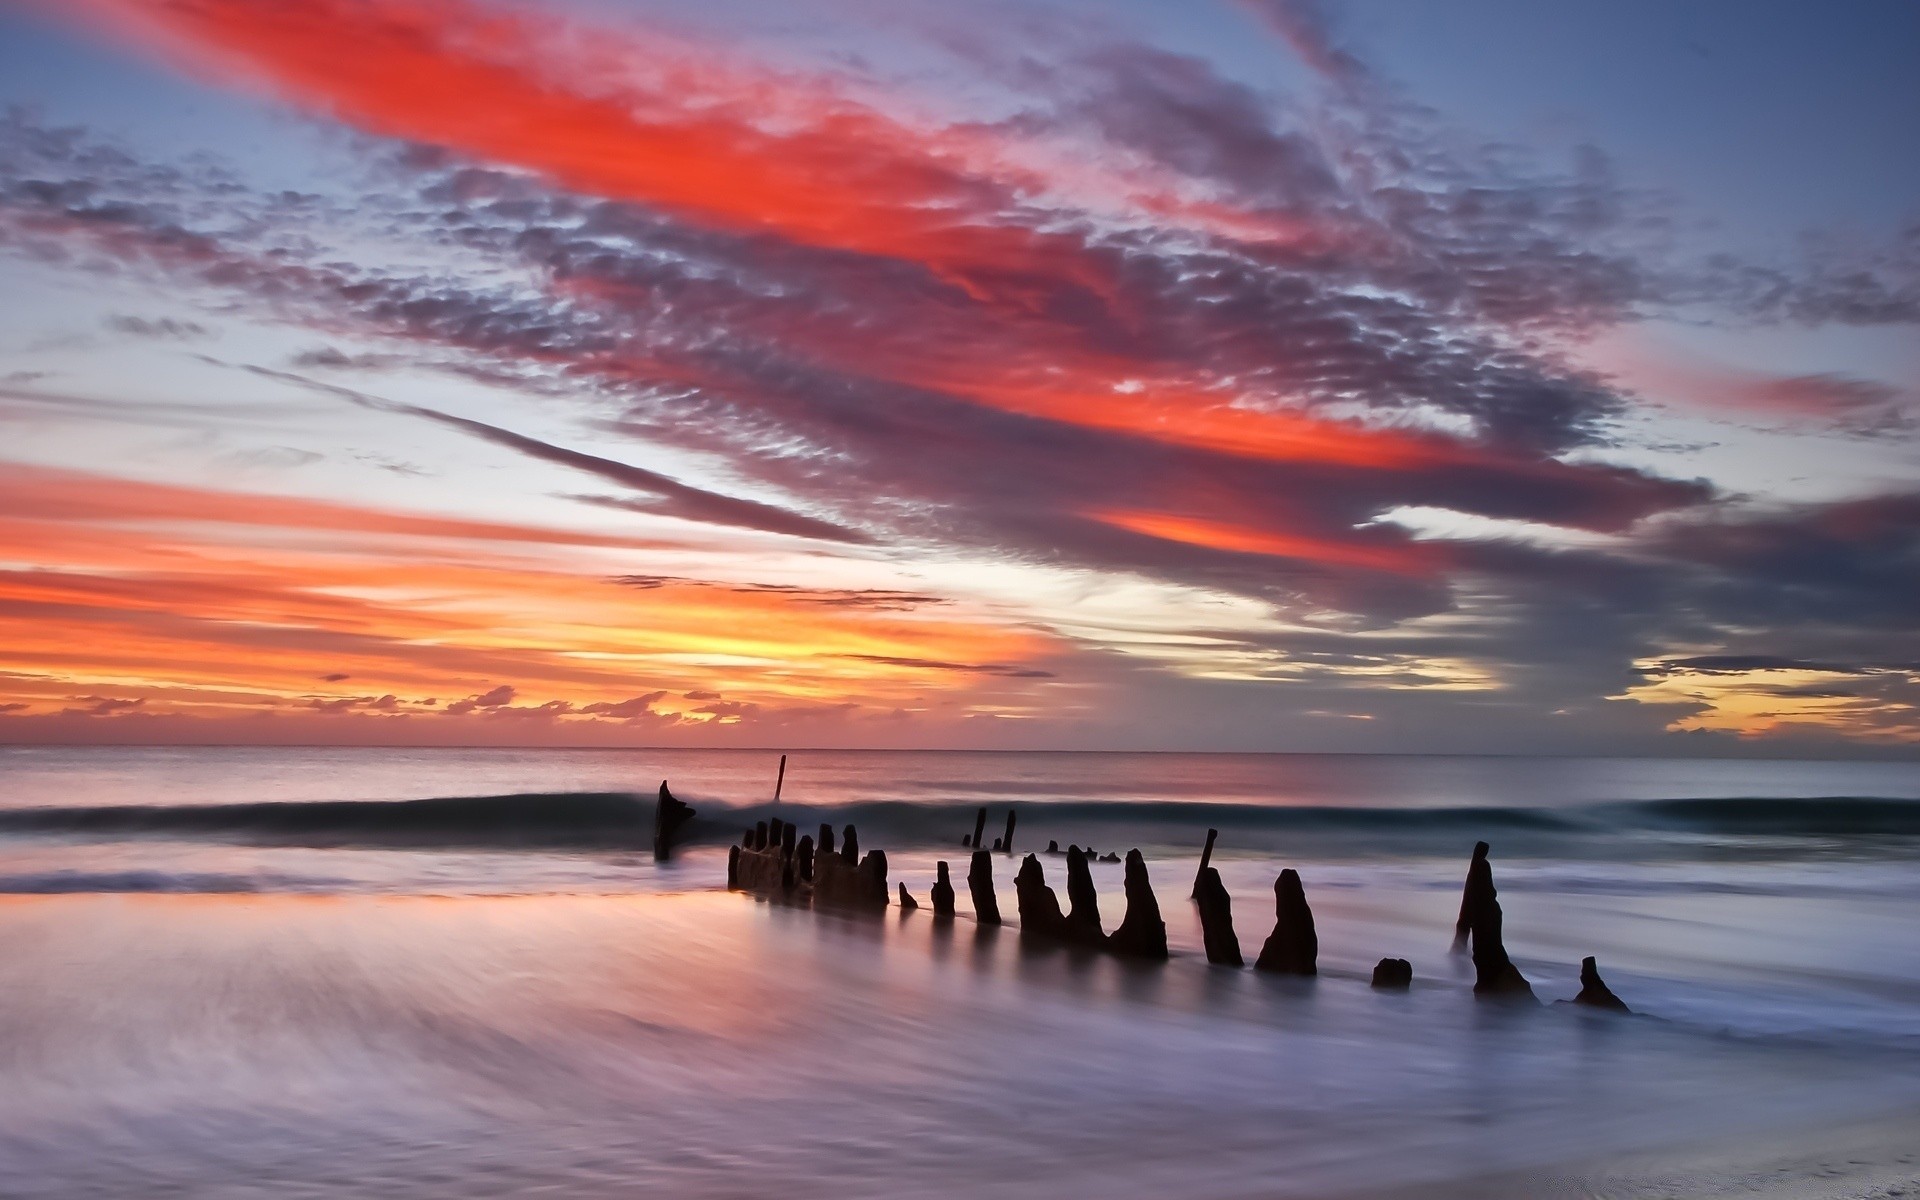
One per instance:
[(771, 861)]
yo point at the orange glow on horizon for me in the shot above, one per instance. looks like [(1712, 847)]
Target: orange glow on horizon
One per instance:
[(164, 599)]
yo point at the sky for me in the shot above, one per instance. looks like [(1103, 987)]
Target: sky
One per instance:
[(1376, 376)]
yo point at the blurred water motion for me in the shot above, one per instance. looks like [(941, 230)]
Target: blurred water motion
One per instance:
[(204, 1014)]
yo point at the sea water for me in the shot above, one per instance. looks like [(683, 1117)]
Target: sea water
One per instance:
[(272, 972)]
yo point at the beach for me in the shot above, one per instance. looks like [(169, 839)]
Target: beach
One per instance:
[(269, 1008)]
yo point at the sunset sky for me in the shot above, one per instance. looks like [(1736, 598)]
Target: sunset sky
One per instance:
[(1214, 374)]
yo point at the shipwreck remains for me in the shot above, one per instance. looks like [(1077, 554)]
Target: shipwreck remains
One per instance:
[(942, 893), (1040, 914), (986, 907), (669, 814), (1594, 991), (1393, 974), (773, 861), (1480, 921), (1216, 918), (1083, 913), (1142, 933), (1206, 860), (1293, 948)]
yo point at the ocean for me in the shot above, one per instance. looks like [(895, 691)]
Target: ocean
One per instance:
[(240, 972)]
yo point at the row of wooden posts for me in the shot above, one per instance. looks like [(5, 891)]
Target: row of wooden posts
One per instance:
[(773, 859)]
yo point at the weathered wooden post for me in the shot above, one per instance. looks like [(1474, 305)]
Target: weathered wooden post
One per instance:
[(1142, 933), (1293, 948), (1006, 843), (986, 907), (669, 814), (1216, 920), (1206, 860), (942, 892), (979, 829)]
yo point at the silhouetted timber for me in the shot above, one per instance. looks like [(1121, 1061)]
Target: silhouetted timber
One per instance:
[(942, 892), (669, 814), (1040, 914), (1206, 860), (1053, 847), (1083, 919), (1107, 857), (764, 870), (1594, 990), (1216, 918), (783, 867), (780, 780), (825, 844), (1494, 973), (966, 839), (1395, 974), (1293, 948), (1463, 924), (839, 881), (1006, 842), (980, 882), (771, 861), (1142, 934), (996, 845), (979, 828)]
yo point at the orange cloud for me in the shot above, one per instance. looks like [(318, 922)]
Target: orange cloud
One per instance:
[(1408, 558), (215, 603)]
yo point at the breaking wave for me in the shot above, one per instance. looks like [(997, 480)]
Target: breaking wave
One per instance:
[(597, 820), (607, 821)]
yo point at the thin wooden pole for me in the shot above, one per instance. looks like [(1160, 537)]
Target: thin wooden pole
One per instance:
[(1206, 860), (781, 780)]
